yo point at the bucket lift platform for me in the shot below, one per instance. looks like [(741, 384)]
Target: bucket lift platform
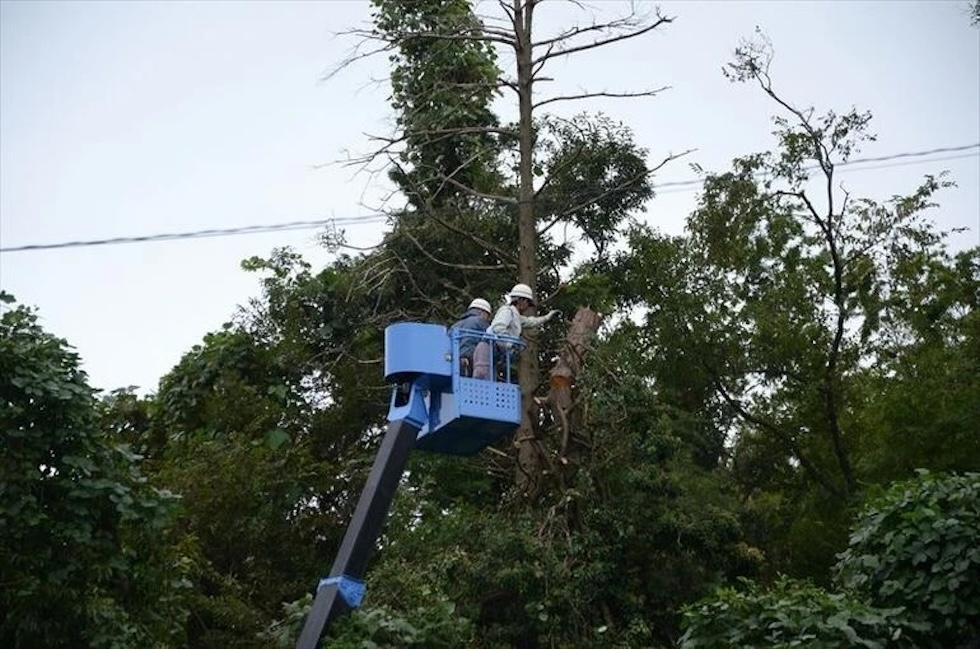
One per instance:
[(463, 415)]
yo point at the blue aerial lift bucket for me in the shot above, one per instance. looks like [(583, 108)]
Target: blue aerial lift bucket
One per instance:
[(464, 415)]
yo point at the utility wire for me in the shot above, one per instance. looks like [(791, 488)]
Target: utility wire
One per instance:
[(849, 163), (201, 234), (890, 165), (677, 186)]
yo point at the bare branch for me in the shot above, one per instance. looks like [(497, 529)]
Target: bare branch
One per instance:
[(448, 264), (411, 278), (497, 198), (432, 214), (536, 69), (594, 27), (483, 35), (360, 51), (590, 95), (509, 12), (555, 221), (389, 144), (756, 64), (623, 36), (502, 83), (462, 130), (486, 244)]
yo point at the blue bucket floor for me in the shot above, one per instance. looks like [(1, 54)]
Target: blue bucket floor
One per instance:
[(465, 436)]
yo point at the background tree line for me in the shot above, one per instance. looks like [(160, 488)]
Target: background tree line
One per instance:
[(762, 432)]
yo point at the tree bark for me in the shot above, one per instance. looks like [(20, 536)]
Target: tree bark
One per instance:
[(530, 462), (581, 332)]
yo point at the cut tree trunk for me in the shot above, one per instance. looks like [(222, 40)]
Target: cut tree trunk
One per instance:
[(534, 461), (577, 343)]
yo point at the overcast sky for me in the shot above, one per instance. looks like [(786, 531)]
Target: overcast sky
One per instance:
[(135, 118)]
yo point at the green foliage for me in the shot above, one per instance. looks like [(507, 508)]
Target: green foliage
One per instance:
[(759, 371), (441, 86), (808, 331), (910, 577), (916, 546), (604, 561), (790, 614), (282, 633), (435, 624), (666, 520), (595, 176), (923, 399), (84, 556), (239, 447)]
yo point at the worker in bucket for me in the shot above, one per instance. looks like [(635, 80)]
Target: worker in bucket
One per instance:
[(511, 321), (476, 319)]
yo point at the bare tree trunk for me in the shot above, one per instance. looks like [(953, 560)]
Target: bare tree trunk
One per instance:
[(529, 453)]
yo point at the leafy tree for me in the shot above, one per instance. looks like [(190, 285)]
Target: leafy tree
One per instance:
[(605, 559), (444, 50), (85, 557), (922, 400), (441, 89), (789, 307), (555, 557), (915, 546), (239, 435), (763, 338)]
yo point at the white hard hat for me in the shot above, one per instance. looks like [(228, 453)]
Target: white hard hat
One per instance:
[(522, 290), (480, 303)]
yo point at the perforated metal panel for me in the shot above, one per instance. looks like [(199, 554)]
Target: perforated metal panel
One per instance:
[(489, 400)]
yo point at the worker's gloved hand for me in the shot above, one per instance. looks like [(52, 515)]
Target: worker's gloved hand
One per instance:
[(553, 313)]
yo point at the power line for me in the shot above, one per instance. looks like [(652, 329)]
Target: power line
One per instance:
[(676, 186), (891, 165), (855, 161), (201, 234)]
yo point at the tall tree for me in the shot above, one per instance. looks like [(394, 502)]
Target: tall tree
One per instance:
[(440, 27)]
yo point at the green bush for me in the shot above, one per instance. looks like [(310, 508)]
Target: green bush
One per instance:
[(790, 614), (918, 546), (437, 625)]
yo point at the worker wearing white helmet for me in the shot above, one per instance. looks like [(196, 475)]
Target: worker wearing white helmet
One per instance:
[(482, 305), (475, 319), (511, 321)]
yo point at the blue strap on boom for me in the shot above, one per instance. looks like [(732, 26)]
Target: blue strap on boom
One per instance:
[(352, 590)]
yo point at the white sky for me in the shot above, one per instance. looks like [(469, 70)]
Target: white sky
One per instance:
[(136, 118)]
